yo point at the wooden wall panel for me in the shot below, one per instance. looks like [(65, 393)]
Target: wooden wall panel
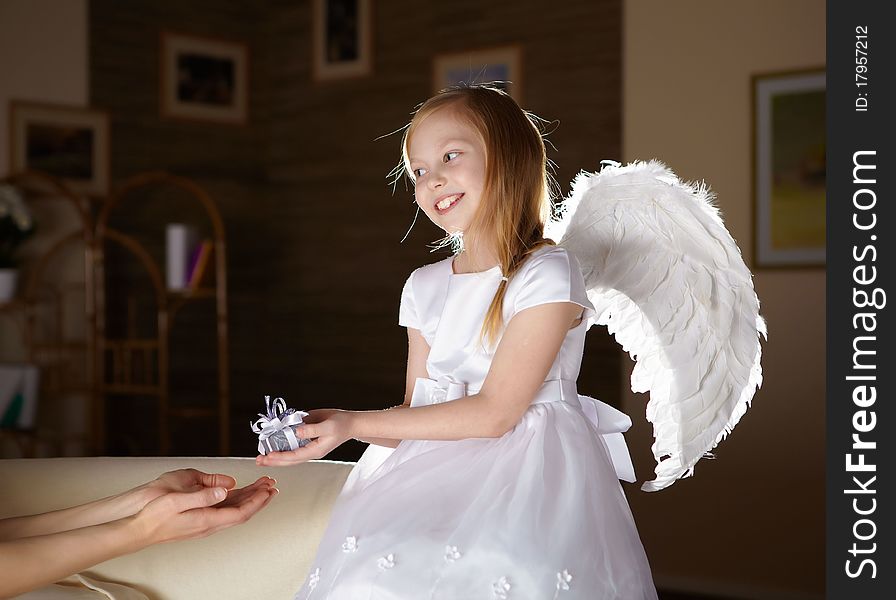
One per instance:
[(315, 261)]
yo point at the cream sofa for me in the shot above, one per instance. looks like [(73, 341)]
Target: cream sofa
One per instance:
[(266, 558)]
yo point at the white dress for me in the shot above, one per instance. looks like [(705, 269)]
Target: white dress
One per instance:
[(536, 514)]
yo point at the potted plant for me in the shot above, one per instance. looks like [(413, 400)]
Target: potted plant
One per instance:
[(16, 226)]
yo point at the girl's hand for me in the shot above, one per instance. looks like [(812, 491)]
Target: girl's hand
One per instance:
[(327, 428), (186, 515)]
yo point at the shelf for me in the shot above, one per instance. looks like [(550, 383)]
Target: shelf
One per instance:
[(116, 372), (168, 304), (177, 298), (54, 309)]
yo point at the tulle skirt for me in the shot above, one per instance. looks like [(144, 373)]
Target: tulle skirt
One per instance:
[(536, 514)]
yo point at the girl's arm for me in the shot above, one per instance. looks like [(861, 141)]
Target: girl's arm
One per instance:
[(522, 360), (379, 441), (418, 352), (38, 560)]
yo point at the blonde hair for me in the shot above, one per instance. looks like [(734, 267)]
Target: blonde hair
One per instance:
[(516, 202)]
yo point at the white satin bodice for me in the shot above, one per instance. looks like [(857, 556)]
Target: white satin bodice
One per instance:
[(449, 309)]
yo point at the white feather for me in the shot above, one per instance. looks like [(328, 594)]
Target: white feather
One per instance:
[(670, 284)]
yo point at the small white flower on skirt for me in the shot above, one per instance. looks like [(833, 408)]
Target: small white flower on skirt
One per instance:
[(351, 544), (451, 553), (500, 588), (386, 562), (563, 580), (315, 577)]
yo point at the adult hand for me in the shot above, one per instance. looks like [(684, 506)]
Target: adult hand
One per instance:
[(327, 428), (179, 515), (181, 480)]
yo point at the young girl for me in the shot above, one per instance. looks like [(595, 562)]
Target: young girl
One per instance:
[(490, 481)]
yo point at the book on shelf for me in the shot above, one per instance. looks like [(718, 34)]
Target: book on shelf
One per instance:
[(200, 264), (180, 239), (191, 264)]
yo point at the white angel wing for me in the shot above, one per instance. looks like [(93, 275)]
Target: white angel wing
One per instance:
[(669, 283)]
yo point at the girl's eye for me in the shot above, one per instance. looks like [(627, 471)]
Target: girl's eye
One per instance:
[(447, 154), (418, 173)]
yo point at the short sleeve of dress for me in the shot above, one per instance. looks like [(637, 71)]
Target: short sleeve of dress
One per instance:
[(552, 276), (407, 309)]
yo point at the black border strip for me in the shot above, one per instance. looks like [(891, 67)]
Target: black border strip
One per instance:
[(861, 261)]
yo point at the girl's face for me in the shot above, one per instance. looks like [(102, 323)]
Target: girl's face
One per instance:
[(447, 158)]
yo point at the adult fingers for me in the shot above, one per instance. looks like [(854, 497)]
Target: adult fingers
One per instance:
[(213, 480), (201, 499), (182, 480), (263, 481), (256, 502), (271, 493), (221, 518), (249, 500), (236, 495)]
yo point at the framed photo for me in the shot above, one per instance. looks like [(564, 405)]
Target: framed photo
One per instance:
[(789, 169), (204, 79), (500, 66), (68, 142), (341, 38)]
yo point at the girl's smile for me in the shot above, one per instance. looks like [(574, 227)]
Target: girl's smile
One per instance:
[(446, 202)]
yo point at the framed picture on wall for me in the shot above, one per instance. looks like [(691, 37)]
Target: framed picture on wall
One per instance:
[(203, 79), (341, 38), (501, 66), (789, 169), (68, 142)]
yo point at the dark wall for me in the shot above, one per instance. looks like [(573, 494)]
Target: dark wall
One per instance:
[(315, 266)]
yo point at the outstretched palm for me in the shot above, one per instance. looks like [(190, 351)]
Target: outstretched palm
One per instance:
[(192, 480)]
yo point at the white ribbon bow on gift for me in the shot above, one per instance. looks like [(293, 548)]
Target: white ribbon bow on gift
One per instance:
[(277, 419)]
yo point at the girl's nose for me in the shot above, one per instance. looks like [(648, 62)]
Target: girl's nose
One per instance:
[(436, 180)]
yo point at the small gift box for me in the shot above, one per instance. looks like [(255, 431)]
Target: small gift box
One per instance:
[(276, 429)]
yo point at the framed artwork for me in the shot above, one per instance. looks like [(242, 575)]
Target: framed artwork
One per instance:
[(203, 79), (342, 39), (500, 66), (789, 169), (68, 142)]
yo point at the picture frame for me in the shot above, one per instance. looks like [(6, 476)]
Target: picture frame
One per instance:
[(500, 65), (788, 159), (68, 142), (342, 39), (203, 78)]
